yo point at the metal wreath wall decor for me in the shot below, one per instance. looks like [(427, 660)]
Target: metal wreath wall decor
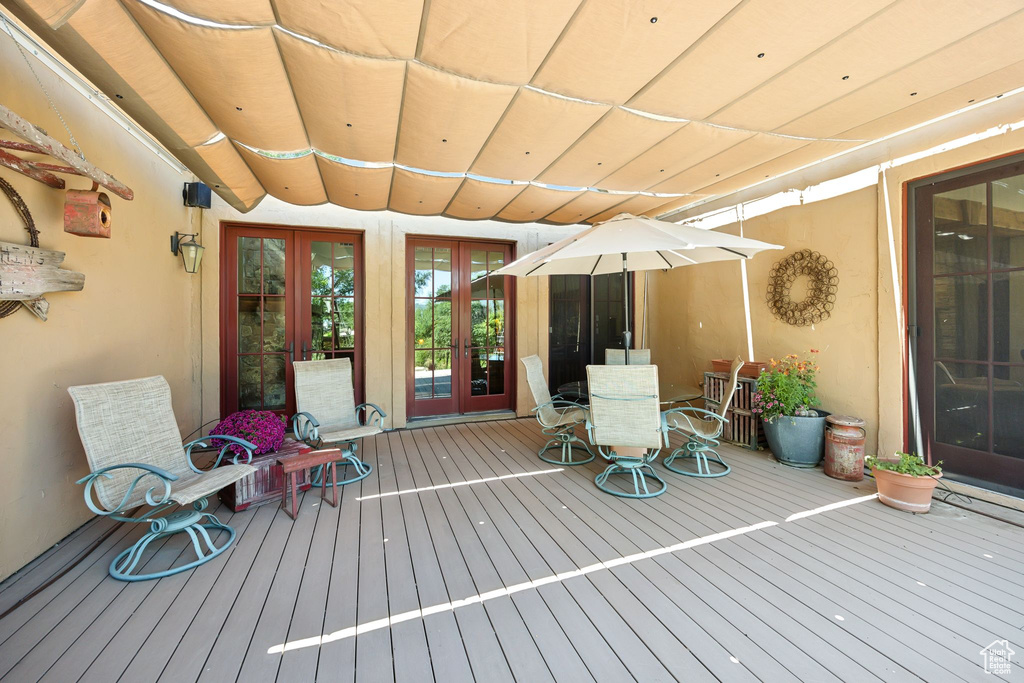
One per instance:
[(821, 290)]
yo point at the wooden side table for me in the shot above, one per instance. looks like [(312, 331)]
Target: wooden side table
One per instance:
[(294, 465)]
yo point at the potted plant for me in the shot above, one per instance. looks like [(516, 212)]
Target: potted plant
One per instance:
[(784, 400), (264, 428), (905, 482)]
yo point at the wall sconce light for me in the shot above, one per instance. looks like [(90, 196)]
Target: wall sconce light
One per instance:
[(190, 250)]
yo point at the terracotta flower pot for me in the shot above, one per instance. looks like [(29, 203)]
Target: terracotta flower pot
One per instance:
[(905, 491)]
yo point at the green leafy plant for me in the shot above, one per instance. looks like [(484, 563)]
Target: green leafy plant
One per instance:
[(907, 463), (786, 388)]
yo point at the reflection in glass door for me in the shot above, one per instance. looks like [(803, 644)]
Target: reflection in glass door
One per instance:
[(259, 326), (970, 309), (433, 374), (484, 341), (457, 327), (609, 308), (285, 295)]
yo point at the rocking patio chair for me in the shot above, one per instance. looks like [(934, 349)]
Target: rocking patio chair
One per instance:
[(134, 449), (702, 428), (557, 417), (328, 416), (625, 413)]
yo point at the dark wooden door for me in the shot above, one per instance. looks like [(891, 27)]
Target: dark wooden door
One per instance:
[(459, 326), (286, 294), (569, 329), (970, 308), (609, 306)]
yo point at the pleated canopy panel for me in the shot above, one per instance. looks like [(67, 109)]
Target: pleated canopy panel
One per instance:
[(565, 111)]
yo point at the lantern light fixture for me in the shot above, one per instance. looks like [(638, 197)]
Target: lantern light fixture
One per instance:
[(190, 250)]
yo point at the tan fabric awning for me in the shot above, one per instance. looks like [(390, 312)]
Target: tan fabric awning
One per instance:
[(565, 111)]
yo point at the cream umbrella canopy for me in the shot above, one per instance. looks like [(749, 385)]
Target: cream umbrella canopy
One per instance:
[(629, 243)]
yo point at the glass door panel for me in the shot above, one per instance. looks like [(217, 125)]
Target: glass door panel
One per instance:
[(484, 341), (331, 299), (609, 308), (433, 374), (569, 329), (286, 294), (257, 376), (970, 308), (457, 323)]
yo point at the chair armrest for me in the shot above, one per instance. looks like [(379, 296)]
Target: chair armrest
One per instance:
[(305, 427), (229, 442), (561, 406), (370, 409), (165, 478), (688, 413)]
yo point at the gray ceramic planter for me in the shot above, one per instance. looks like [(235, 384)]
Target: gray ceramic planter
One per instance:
[(797, 441)]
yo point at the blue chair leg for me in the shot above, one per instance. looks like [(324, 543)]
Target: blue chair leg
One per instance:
[(189, 522), (566, 440), (640, 472), (320, 475), (697, 451)]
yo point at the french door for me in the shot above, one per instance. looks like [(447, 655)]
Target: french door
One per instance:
[(970, 311), (460, 323), (286, 295), (568, 329)]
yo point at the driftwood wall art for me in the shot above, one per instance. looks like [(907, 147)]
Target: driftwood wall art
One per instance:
[(28, 272)]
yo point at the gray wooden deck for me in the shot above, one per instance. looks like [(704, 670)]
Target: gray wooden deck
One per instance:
[(856, 593)]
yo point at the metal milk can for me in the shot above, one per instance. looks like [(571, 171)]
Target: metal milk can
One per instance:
[(844, 447)]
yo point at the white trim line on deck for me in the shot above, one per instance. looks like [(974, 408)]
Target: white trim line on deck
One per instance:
[(452, 485), (376, 625)]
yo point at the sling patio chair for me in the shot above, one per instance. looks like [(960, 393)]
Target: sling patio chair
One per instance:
[(625, 412), (328, 416), (136, 458), (557, 417), (702, 428), (636, 357)]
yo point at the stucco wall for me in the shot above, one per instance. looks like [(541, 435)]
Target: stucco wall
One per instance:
[(384, 243), (133, 318), (698, 315)]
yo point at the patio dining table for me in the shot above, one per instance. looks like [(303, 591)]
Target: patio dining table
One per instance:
[(578, 392)]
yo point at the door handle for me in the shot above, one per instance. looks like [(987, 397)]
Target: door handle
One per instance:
[(466, 346), (291, 352), (305, 349)]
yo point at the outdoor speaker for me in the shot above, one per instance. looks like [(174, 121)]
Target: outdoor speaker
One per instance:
[(196, 194)]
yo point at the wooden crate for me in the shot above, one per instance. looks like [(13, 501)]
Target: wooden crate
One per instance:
[(264, 485), (744, 428)]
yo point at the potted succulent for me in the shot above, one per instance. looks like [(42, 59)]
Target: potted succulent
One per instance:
[(905, 481), (785, 402)]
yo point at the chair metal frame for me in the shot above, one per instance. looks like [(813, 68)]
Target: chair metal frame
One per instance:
[(550, 412), (562, 436), (130, 425), (702, 431), (307, 430), (639, 468), (160, 526)]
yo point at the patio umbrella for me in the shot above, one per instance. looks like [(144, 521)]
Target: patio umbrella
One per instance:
[(629, 243)]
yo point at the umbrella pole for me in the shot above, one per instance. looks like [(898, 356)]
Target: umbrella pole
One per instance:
[(627, 336)]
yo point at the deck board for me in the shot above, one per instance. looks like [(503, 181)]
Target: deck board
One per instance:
[(861, 592)]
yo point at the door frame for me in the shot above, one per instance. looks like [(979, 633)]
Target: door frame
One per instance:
[(511, 315), (228, 264), (911, 214)]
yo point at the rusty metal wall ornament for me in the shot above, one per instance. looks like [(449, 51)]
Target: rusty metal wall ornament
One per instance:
[(28, 272), (821, 294), (9, 307)]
